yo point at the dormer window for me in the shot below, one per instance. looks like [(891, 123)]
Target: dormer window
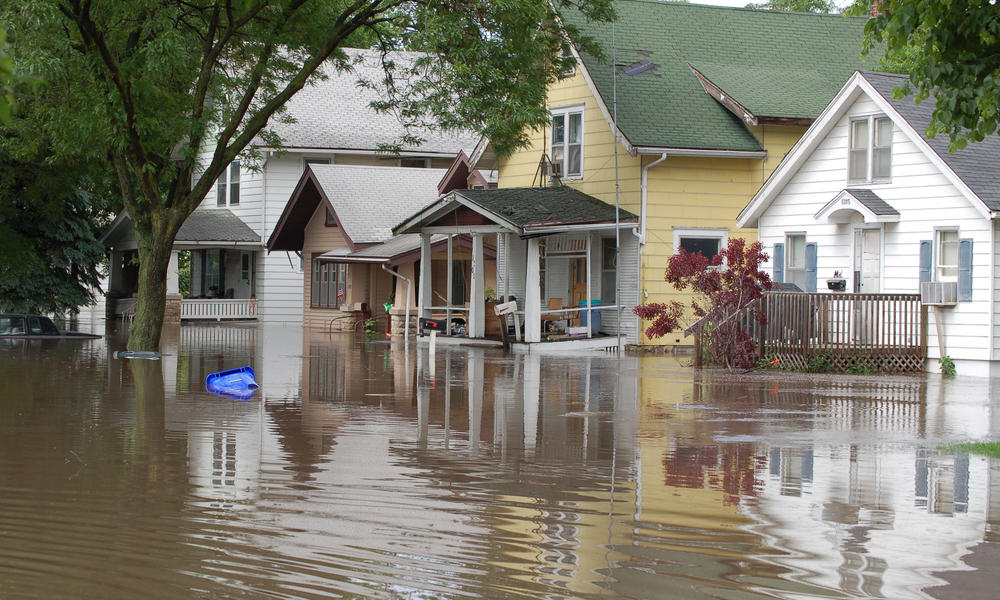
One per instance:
[(567, 142), (870, 157)]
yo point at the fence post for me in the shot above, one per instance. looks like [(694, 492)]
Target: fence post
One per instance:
[(923, 331), (697, 348), (762, 333)]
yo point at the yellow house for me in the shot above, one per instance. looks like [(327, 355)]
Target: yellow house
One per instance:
[(707, 101)]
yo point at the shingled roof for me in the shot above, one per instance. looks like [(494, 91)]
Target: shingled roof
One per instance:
[(366, 201), (523, 209), (978, 164), (775, 64), (335, 113)]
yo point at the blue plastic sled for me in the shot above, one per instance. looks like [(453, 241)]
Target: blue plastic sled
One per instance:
[(233, 383)]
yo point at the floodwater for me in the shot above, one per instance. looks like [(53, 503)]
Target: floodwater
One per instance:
[(363, 470)]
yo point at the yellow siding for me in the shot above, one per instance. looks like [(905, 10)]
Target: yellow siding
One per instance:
[(683, 192)]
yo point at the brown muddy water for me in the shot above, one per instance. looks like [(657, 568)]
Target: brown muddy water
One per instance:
[(365, 470)]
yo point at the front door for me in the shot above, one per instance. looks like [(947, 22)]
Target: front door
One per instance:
[(867, 260)]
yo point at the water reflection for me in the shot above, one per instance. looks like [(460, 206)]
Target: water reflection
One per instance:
[(363, 469)]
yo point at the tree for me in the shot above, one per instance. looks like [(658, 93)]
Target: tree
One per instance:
[(813, 6), (156, 84), (722, 288), (951, 49)]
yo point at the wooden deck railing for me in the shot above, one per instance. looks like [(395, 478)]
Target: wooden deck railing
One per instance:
[(218, 309), (884, 331)]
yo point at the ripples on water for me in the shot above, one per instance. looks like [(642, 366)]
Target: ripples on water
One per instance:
[(361, 470)]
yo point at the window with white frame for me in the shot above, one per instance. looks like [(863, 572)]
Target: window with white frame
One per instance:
[(566, 143), (227, 187), (609, 277), (870, 151), (709, 242), (795, 259), (946, 265)]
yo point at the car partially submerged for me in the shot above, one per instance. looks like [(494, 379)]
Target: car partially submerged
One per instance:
[(36, 327)]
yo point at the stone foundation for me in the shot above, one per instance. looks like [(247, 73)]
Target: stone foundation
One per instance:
[(398, 317), (172, 310)]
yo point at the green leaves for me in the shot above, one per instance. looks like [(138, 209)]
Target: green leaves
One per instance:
[(951, 50)]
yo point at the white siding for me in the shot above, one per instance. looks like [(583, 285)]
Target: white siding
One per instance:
[(924, 198)]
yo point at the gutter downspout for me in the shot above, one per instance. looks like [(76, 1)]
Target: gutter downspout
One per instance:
[(406, 324), (642, 211)]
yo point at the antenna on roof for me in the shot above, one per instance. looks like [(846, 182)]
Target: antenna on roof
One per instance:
[(618, 241)]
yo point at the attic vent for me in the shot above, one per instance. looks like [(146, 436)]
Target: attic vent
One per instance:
[(639, 67)]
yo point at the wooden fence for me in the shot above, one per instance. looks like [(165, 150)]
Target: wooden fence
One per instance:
[(884, 332)]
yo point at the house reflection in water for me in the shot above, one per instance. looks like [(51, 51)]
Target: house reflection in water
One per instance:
[(389, 470)]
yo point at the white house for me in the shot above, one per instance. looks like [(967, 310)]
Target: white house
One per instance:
[(328, 122), (866, 195)]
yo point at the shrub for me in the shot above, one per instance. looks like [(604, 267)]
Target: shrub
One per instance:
[(719, 293), (947, 366)]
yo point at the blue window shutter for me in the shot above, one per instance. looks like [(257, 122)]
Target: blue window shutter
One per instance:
[(812, 254), (779, 263), (965, 270), (926, 256)]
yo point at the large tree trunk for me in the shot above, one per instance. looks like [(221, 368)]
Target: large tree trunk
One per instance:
[(154, 257)]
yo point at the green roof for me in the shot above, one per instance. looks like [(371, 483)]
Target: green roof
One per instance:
[(775, 64)]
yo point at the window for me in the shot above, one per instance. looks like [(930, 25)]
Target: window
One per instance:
[(870, 149), (245, 266), (227, 187), (946, 268), (567, 142), (328, 284), (709, 242), (331, 221), (795, 259), (416, 163)]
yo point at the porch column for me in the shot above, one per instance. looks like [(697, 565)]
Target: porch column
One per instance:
[(172, 308), (477, 290), (173, 285), (590, 312), (451, 283), (532, 295), (424, 296)]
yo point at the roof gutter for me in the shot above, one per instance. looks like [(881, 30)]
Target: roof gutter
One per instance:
[(697, 152), (642, 210)]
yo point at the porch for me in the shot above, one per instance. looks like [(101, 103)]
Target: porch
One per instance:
[(557, 257), (880, 332), (215, 254)]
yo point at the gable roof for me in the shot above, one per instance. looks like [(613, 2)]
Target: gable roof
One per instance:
[(335, 113), (776, 64), (526, 210), (971, 171), (366, 201), (978, 165)]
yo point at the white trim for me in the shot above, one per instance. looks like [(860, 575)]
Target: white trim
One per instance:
[(800, 152), (698, 152), (566, 112), (844, 200), (552, 229), (459, 229), (705, 233), (382, 153)]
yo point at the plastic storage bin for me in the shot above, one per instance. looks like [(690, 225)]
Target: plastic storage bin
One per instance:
[(585, 315)]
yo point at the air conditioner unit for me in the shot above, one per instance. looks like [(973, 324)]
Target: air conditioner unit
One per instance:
[(939, 293), (555, 170)]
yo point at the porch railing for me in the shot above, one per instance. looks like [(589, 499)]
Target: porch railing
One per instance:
[(218, 309), (883, 331)]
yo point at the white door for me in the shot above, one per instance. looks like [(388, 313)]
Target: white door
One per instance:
[(867, 260)]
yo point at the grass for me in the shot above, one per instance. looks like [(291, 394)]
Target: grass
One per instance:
[(991, 449)]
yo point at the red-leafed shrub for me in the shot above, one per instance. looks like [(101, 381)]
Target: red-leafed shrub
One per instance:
[(721, 289)]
